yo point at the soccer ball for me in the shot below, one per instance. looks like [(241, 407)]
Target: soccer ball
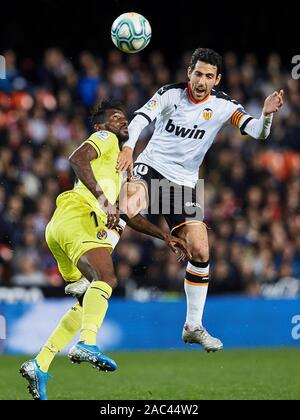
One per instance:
[(131, 32)]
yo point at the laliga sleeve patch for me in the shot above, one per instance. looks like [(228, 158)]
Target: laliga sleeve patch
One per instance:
[(152, 104), (102, 135), (242, 110)]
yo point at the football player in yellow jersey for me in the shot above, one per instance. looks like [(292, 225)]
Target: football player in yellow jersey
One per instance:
[(82, 233)]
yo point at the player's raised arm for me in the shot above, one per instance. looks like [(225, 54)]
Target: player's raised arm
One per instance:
[(259, 128), (143, 117), (135, 128)]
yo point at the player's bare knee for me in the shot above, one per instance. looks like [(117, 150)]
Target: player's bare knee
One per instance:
[(200, 253), (136, 203), (132, 210)]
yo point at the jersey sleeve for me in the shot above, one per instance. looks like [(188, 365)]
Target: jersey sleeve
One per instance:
[(238, 116), (160, 101), (100, 141)]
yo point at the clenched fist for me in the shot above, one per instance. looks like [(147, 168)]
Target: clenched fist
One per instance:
[(273, 103)]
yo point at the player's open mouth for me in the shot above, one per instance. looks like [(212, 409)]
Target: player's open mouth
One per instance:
[(200, 91)]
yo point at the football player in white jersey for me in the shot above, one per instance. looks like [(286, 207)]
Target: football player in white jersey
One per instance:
[(188, 118)]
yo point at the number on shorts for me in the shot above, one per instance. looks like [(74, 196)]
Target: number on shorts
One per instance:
[(140, 170), (93, 214)]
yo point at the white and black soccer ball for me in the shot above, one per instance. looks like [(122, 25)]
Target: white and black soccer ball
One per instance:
[(131, 32)]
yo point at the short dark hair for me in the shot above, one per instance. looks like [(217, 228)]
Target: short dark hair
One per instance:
[(98, 115), (207, 56)]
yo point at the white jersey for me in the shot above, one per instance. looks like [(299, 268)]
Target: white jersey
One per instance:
[(185, 130)]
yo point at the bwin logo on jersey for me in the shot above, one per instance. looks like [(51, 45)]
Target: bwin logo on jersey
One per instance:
[(190, 133)]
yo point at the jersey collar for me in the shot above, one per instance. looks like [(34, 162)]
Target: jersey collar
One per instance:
[(191, 97)]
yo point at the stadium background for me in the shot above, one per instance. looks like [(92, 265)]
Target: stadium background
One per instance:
[(59, 63)]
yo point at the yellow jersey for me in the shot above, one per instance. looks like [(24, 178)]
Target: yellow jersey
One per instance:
[(104, 169)]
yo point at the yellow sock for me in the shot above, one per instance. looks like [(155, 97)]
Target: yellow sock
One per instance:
[(95, 304), (64, 333)]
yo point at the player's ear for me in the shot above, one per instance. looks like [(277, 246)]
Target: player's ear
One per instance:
[(97, 127), (218, 79), (189, 72)]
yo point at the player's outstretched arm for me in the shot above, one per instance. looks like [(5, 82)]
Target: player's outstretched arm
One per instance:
[(260, 128), (177, 245), (125, 159), (80, 161)]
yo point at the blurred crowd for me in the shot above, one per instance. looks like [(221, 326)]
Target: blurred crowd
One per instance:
[(252, 187)]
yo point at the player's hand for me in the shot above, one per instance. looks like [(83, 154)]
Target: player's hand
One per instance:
[(113, 215), (273, 103), (178, 246), (125, 160)]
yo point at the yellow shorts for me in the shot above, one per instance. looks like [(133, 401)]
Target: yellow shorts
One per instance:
[(74, 229)]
